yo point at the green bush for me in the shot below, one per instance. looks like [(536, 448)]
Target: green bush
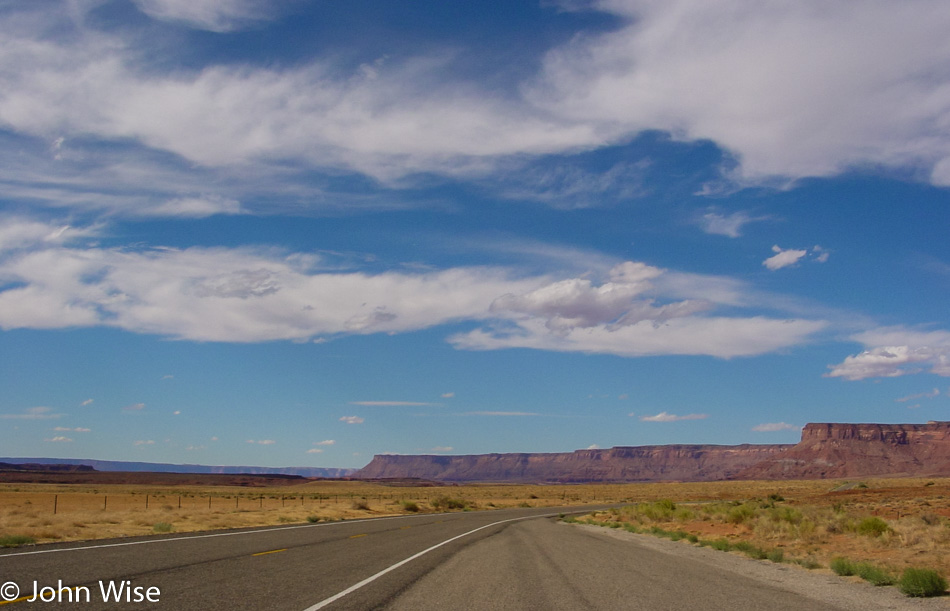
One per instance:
[(414, 507), (873, 574), (872, 527), (842, 566), (313, 519), (739, 514), (922, 583), (776, 555), (162, 527), (16, 540), (722, 545)]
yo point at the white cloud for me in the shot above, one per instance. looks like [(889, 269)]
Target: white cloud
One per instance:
[(251, 295), (786, 258), (483, 413), (390, 403), (442, 449), (728, 225), (352, 420), (447, 395), (263, 442), (135, 407), (665, 417), (86, 402), (789, 90), (144, 442), (896, 351), (214, 15), (924, 395), (772, 427), (593, 446), (78, 429), (33, 413), (783, 258), (59, 439), (315, 451), (792, 90), (325, 442)]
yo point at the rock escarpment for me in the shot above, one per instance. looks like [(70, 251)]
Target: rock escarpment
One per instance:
[(622, 464), (826, 450), (856, 450)]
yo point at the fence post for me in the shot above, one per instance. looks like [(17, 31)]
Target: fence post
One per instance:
[(55, 503)]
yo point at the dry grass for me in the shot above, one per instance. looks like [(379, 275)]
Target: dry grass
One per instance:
[(891, 523), (61, 512), (812, 521)]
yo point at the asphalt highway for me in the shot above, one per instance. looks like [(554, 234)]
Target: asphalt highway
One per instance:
[(508, 559)]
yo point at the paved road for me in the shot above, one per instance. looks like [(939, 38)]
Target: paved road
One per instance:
[(511, 559)]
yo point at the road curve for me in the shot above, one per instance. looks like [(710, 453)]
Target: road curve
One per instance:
[(292, 567), (508, 559)]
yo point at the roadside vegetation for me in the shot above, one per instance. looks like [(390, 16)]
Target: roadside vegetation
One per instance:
[(843, 536)]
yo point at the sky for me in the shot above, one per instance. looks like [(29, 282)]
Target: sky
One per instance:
[(305, 232)]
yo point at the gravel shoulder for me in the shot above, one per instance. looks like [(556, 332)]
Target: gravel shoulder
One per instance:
[(821, 585)]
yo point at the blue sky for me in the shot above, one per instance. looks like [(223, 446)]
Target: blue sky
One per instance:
[(306, 232)]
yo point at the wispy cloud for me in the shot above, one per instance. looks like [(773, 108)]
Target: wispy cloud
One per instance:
[(924, 395), (665, 417), (488, 413), (442, 449), (134, 407), (263, 442), (33, 413), (325, 442), (144, 442), (87, 402), (391, 403), (729, 225), (78, 429), (59, 439), (352, 420), (896, 351), (447, 395), (772, 427), (315, 451)]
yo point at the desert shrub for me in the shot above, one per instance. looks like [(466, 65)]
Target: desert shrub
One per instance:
[(684, 514), (776, 498), (874, 574), (313, 519), (658, 511), (750, 550), (361, 505), (872, 527), (921, 583), (162, 527), (776, 555), (692, 538), (722, 545), (16, 540), (444, 503), (740, 513), (808, 563), (842, 566), (410, 506)]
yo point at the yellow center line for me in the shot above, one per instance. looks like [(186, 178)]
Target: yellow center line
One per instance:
[(23, 598), (273, 551), (358, 536)]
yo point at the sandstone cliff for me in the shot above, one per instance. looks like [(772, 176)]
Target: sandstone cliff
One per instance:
[(623, 464), (856, 450), (826, 450)]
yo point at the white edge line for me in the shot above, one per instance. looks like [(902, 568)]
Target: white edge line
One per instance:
[(372, 578), (227, 534)]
